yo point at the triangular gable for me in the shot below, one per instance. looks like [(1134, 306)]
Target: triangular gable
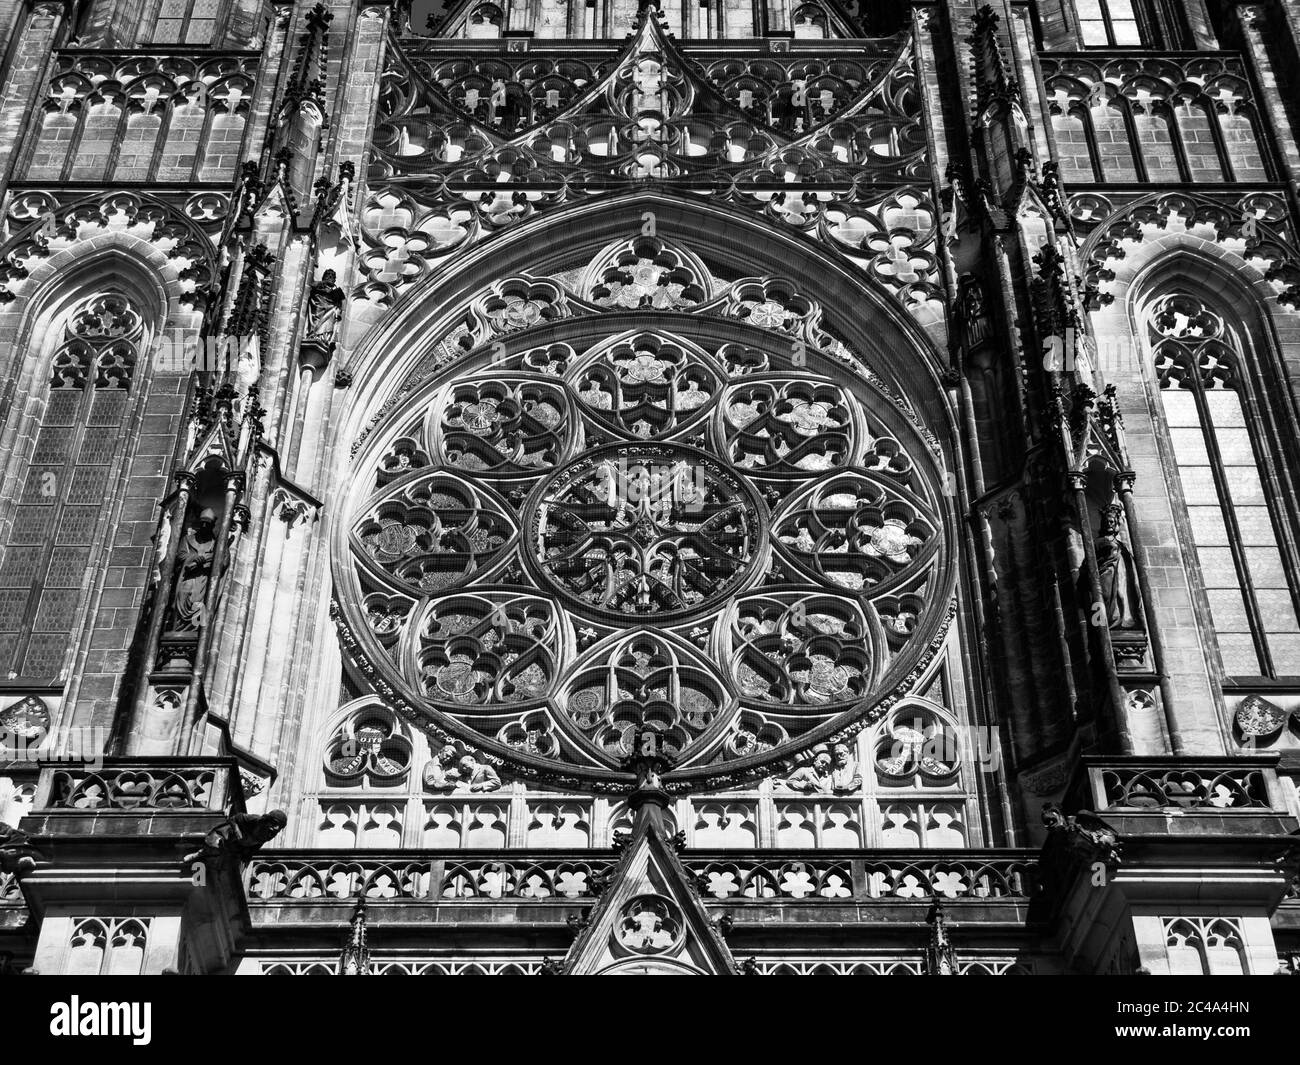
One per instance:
[(651, 41), (649, 919)]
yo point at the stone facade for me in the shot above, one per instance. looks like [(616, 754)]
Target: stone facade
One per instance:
[(652, 488)]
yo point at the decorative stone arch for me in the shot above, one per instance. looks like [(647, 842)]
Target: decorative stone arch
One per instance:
[(1189, 256), (343, 723), (867, 315), (1269, 330), (899, 360), (485, 20), (921, 753), (1266, 337), (810, 21)]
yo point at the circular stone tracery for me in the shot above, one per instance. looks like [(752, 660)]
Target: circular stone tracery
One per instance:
[(644, 530), (592, 537)]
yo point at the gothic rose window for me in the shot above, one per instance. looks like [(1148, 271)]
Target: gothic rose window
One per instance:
[(566, 545)]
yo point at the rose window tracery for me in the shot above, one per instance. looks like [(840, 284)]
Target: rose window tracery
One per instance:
[(592, 537)]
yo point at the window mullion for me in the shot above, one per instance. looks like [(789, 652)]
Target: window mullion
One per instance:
[(40, 573), (1230, 524), (1261, 442)]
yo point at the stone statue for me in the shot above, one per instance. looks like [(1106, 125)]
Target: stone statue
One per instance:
[(194, 572), (439, 774), (324, 311), (239, 837), (940, 957), (450, 770), (845, 777), (1084, 831), (477, 776), (1116, 573), (814, 777)]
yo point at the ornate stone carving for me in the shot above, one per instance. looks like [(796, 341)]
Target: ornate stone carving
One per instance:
[(16, 852), (454, 768), (238, 838), (194, 572), (324, 314), (597, 491), (1116, 572)]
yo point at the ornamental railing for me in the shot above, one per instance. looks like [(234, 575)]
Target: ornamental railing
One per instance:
[(308, 877), (133, 785), (1211, 786)]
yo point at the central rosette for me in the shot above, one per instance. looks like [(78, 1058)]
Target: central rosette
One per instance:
[(644, 530)]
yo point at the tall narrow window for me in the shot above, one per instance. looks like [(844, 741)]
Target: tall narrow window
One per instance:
[(186, 22), (66, 486), (1108, 23), (1199, 367)]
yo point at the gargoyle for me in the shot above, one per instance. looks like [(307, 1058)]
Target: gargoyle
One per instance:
[(239, 837), (16, 851)]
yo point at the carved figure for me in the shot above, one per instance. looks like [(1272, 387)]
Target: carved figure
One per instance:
[(1116, 572), (439, 772), (324, 310), (449, 770), (814, 777), (845, 777), (239, 837), (1084, 833), (16, 851), (194, 572), (478, 776)]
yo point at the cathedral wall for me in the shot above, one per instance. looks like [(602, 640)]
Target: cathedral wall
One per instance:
[(863, 249)]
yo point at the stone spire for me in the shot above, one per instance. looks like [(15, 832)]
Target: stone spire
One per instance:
[(354, 959), (940, 956)]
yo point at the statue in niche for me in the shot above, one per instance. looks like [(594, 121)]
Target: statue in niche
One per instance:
[(845, 777), (450, 770), (974, 310), (324, 312), (1116, 572), (194, 572), (817, 776), (249, 367)]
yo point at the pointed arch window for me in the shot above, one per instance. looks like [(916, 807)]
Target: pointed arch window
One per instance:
[(66, 484), (1224, 468)]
